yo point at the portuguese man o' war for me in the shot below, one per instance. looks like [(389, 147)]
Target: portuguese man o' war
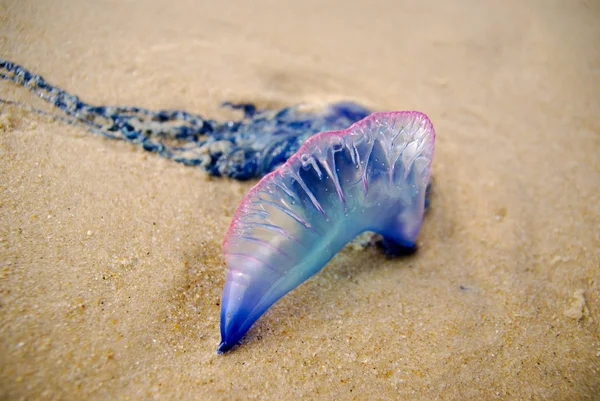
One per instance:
[(251, 147), (372, 176)]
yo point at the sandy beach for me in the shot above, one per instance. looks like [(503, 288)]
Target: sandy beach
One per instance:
[(111, 267)]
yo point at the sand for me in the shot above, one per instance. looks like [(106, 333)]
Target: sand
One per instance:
[(111, 266)]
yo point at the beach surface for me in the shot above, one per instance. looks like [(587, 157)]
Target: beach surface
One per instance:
[(111, 267)]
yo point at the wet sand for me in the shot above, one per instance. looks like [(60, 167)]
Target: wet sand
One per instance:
[(111, 267)]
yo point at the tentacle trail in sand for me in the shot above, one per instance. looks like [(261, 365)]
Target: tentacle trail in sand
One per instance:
[(250, 147)]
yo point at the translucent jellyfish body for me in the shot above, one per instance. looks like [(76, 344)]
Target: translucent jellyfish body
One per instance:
[(372, 176)]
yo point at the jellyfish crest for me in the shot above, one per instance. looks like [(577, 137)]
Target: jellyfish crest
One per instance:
[(372, 176)]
